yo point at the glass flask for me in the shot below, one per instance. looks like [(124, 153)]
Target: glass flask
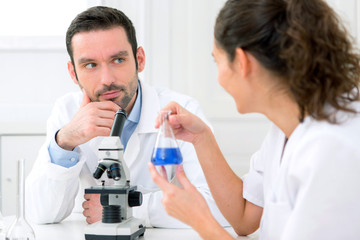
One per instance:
[(20, 229), (166, 150)]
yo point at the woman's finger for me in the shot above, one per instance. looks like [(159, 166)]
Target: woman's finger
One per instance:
[(159, 180), (163, 172), (171, 106), (180, 174)]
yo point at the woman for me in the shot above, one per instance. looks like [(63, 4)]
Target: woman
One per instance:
[(293, 62)]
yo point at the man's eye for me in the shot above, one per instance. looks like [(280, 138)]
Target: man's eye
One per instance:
[(118, 60), (90, 65)]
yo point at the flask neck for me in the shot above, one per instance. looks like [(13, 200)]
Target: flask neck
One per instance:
[(165, 119), (165, 128), (20, 211)]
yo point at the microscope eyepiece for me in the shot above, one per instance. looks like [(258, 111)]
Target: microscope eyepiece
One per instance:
[(118, 124), (99, 171), (115, 171), (108, 174)]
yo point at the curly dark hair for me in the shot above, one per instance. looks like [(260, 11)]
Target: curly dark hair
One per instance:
[(303, 42)]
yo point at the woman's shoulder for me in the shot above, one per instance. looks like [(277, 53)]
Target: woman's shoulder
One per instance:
[(346, 128), (322, 142)]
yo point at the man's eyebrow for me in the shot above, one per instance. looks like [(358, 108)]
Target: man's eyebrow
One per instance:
[(85, 60), (116, 55), (120, 54)]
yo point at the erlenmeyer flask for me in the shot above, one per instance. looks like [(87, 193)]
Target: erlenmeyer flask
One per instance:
[(166, 150), (20, 229)]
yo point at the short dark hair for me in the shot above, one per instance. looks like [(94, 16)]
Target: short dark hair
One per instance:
[(101, 18), (303, 42)]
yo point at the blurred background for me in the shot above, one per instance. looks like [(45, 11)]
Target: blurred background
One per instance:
[(177, 36)]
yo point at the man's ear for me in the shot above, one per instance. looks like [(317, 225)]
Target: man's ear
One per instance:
[(243, 62), (140, 55), (71, 70)]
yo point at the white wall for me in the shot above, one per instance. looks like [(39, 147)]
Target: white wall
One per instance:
[(177, 38), (13, 148)]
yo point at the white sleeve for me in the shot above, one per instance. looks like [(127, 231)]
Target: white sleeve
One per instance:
[(253, 181), (51, 189), (325, 177)]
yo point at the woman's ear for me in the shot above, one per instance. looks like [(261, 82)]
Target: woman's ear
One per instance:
[(242, 62)]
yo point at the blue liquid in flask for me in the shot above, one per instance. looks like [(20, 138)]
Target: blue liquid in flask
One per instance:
[(164, 156)]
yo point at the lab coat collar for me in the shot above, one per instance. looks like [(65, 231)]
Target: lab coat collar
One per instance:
[(149, 110), (293, 140)]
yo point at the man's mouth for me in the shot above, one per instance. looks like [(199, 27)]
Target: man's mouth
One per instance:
[(111, 94)]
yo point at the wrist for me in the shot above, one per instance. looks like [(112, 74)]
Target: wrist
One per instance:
[(62, 142), (210, 229), (204, 140)]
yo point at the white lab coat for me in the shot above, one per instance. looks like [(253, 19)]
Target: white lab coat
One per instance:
[(51, 189), (313, 191)]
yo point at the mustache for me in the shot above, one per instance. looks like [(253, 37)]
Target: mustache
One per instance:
[(107, 88)]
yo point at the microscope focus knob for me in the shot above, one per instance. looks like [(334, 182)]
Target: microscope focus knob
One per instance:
[(135, 198)]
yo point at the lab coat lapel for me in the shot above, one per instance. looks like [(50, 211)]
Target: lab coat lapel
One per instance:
[(149, 111)]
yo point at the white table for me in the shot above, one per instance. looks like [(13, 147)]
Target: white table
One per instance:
[(72, 228)]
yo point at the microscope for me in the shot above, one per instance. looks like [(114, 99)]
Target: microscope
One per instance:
[(118, 199)]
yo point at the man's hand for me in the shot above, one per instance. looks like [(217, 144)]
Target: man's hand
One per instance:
[(93, 119), (92, 208)]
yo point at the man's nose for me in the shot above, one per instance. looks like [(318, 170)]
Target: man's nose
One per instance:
[(107, 77)]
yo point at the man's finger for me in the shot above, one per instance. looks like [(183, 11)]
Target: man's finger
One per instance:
[(87, 197), (85, 99), (85, 205)]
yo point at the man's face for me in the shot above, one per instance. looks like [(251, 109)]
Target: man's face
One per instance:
[(105, 66)]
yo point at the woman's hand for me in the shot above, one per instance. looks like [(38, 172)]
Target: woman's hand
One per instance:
[(187, 204), (186, 126)]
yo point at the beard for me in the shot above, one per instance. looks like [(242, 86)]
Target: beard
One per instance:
[(127, 92)]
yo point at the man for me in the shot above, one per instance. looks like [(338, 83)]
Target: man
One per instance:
[(105, 62)]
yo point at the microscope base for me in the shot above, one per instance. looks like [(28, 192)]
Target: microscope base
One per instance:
[(129, 229)]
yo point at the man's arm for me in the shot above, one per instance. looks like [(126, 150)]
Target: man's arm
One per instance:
[(52, 188)]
